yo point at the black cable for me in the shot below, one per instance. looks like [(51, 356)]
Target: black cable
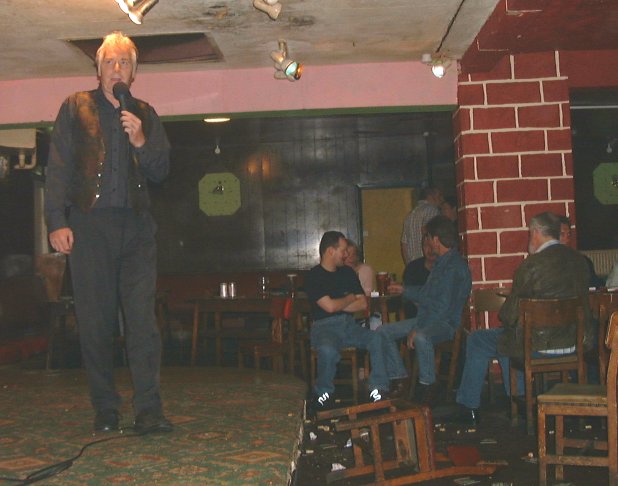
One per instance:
[(54, 469), (450, 25)]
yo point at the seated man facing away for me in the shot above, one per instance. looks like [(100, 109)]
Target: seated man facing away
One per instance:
[(552, 271), (336, 294), (440, 303)]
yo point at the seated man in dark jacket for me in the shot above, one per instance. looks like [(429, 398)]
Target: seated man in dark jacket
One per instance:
[(551, 271)]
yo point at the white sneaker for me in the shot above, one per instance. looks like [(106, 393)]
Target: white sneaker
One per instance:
[(375, 395), (323, 400)]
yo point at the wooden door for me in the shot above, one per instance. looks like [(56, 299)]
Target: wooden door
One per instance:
[(383, 213)]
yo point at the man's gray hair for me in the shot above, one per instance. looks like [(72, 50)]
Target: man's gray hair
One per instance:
[(547, 223), (117, 39)]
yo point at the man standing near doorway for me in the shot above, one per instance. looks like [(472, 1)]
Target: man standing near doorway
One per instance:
[(96, 206), (428, 206)]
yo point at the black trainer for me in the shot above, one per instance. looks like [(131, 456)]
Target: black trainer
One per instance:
[(465, 416), (323, 401), (152, 420), (376, 395), (106, 420)]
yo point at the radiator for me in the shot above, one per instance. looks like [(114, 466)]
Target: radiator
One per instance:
[(603, 260)]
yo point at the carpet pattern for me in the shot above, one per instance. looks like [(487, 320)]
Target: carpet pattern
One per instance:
[(231, 427)]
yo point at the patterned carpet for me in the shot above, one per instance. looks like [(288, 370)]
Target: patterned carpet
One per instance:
[(231, 427)]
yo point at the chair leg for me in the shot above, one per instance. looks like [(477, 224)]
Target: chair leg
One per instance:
[(612, 447), (513, 388), (303, 360), (354, 359), (413, 379), (542, 444), (314, 360), (529, 404), (452, 374), (559, 438)]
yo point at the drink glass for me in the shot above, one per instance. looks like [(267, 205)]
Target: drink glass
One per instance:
[(382, 279), (292, 279), (263, 286)]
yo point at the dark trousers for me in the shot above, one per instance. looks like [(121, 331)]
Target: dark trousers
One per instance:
[(113, 263)]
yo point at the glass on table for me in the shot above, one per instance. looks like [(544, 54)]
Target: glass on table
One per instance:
[(383, 281), (263, 286)]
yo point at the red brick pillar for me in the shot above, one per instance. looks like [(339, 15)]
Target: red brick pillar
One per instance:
[(514, 159)]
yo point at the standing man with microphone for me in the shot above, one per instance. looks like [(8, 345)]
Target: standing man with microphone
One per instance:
[(103, 150)]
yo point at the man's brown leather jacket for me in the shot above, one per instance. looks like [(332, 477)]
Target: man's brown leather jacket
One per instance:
[(555, 272)]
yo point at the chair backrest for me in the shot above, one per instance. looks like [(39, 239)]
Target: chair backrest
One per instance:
[(487, 300), (51, 267), (611, 341), (544, 313), (602, 304), (281, 309)]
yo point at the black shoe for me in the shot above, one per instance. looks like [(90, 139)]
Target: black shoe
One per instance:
[(106, 420), (468, 417), (152, 420), (428, 394), (377, 395), (400, 387), (323, 402)]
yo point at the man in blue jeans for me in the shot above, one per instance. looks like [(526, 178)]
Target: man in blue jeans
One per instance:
[(336, 294), (551, 271), (440, 302)]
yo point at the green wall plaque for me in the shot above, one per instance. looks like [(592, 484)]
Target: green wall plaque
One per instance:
[(219, 194), (605, 181)]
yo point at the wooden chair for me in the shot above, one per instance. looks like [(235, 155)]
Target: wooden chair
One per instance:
[(486, 303), (602, 304), (350, 355), (546, 313), (281, 311), (410, 427), (582, 401), (450, 348)]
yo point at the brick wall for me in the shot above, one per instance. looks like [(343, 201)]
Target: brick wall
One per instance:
[(514, 159)]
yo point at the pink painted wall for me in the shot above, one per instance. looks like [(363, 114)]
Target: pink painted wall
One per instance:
[(245, 90)]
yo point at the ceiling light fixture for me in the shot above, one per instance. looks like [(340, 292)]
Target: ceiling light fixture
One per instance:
[(285, 68), (125, 5), (271, 7), (136, 9), (439, 64)]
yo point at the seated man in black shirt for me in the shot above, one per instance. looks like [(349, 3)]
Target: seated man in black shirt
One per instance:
[(336, 294), (416, 273)]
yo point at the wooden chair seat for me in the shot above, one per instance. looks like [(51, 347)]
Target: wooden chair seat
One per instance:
[(546, 313), (576, 394), (581, 400)]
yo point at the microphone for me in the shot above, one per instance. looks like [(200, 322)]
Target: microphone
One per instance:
[(123, 95)]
